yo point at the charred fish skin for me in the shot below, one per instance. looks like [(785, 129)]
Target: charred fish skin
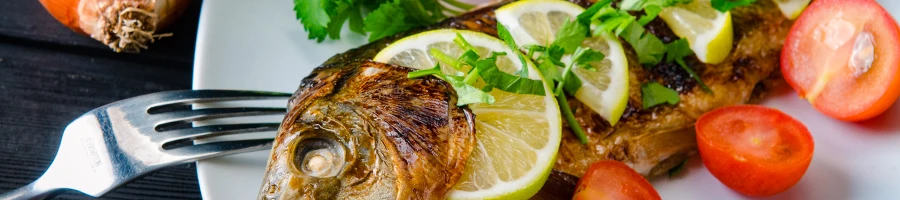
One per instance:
[(363, 130), (654, 140)]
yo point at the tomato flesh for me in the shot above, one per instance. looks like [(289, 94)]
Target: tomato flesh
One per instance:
[(843, 57), (610, 179), (755, 150)]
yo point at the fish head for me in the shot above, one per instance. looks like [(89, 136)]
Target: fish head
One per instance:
[(368, 132)]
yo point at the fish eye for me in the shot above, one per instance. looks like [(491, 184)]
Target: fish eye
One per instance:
[(319, 157)]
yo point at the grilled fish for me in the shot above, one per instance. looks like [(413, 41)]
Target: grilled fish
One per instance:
[(363, 130), (360, 129)]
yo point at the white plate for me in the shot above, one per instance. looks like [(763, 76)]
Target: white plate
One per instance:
[(259, 45)]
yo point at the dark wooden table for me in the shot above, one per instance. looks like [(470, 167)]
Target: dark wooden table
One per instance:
[(50, 75)]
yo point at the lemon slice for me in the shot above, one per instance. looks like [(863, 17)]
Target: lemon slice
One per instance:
[(792, 8), (709, 31), (518, 135), (536, 22)]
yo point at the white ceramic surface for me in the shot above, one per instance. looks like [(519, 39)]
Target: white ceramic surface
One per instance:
[(259, 45)]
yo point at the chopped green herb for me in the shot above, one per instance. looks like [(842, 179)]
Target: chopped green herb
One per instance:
[(549, 69), (676, 51), (572, 84), (466, 93), (584, 56), (570, 118), (635, 5), (610, 20), (313, 16), (388, 19), (436, 70), (650, 13), (570, 36), (461, 41), (469, 57), (649, 48), (487, 68), (653, 94), (326, 18), (443, 57), (508, 38), (587, 16), (726, 5)]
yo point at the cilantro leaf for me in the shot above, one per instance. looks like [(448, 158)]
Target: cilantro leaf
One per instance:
[(325, 18), (571, 84), (508, 38), (570, 118), (583, 56), (608, 20), (467, 94), (725, 5), (357, 24), (650, 13), (388, 19), (654, 94), (313, 16), (586, 16), (635, 5), (676, 51), (548, 68), (649, 48), (487, 68), (442, 57), (469, 57), (337, 21), (425, 72), (570, 35), (461, 41)]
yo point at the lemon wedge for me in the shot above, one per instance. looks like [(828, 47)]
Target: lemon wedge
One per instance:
[(517, 136), (792, 8), (536, 22), (708, 31)]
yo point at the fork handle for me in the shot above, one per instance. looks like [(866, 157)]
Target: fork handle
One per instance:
[(29, 192)]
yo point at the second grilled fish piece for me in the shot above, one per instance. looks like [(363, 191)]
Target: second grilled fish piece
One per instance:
[(363, 130)]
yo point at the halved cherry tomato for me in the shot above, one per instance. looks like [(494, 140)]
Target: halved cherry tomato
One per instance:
[(611, 179), (843, 57), (755, 150)]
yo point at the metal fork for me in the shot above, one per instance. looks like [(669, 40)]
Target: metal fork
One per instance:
[(117, 143)]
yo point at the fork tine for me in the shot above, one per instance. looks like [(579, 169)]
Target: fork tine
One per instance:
[(215, 149), (215, 130), (206, 96), (212, 113)]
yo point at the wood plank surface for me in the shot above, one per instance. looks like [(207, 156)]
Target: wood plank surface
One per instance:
[(50, 75)]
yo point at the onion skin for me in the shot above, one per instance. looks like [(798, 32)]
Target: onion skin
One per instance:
[(123, 25)]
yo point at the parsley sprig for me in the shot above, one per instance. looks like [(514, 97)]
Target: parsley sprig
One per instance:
[(325, 18)]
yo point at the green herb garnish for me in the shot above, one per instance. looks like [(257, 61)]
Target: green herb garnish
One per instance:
[(649, 48), (325, 18), (508, 38), (725, 5), (653, 94), (467, 94), (570, 36)]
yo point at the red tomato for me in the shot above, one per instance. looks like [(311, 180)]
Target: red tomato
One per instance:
[(610, 179), (755, 150), (842, 56)]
